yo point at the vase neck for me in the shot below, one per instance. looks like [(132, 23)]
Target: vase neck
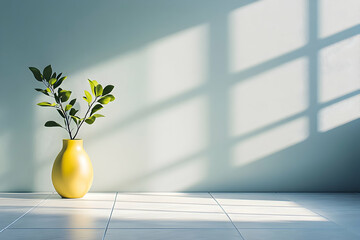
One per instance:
[(69, 143)]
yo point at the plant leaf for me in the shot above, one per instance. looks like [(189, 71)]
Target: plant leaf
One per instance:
[(90, 120), (61, 113), (47, 72), (52, 124), (64, 95), (92, 86), (52, 81), (107, 89), (88, 96), (99, 90), (76, 119), (67, 107), (73, 111), (42, 91), (96, 108), (46, 104), (72, 102), (70, 105), (54, 75), (56, 96), (58, 83), (36, 73), (58, 76), (106, 99)]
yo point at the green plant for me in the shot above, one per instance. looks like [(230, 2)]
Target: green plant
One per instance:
[(52, 81)]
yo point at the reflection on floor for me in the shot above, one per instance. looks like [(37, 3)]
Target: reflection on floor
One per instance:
[(247, 216)]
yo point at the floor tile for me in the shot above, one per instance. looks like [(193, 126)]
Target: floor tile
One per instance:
[(10, 214), (22, 199), (270, 210), (14, 205), (168, 219), (46, 234), (183, 198), (167, 210), (172, 234), (42, 217), (297, 234), (92, 196), (174, 207), (273, 210), (350, 221), (99, 196), (40, 195), (77, 203), (280, 221), (258, 199), (326, 201)]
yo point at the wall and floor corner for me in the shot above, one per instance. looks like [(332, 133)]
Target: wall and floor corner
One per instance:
[(212, 95)]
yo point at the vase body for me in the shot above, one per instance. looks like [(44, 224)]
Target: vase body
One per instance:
[(72, 172)]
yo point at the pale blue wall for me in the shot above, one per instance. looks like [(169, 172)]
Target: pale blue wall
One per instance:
[(211, 95)]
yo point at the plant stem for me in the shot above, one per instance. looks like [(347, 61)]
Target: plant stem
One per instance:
[(78, 127), (67, 121)]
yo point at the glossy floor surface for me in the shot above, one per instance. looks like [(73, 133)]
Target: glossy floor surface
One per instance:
[(225, 216)]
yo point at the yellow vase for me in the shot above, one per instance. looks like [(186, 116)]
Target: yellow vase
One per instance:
[(72, 172)]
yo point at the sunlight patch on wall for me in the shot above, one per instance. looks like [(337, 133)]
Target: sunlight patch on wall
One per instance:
[(336, 16), (179, 178), (339, 71), (265, 29), (176, 133), (270, 142), (339, 113), (269, 97), (177, 63)]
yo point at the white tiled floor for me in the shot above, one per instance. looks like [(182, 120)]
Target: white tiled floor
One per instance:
[(225, 216)]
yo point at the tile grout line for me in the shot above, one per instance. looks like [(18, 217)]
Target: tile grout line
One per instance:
[(47, 197), (112, 209), (227, 215)]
